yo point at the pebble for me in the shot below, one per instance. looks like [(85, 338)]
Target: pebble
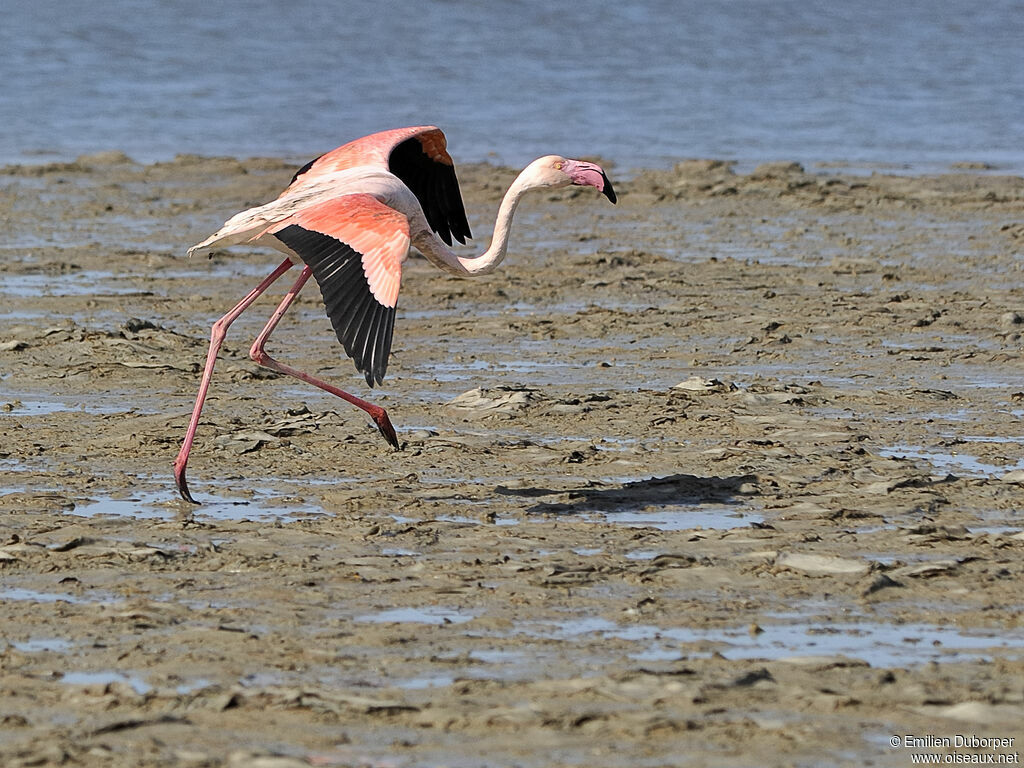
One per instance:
[(822, 564), (702, 385), (1014, 476)]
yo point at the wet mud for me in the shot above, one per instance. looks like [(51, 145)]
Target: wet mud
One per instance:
[(728, 474)]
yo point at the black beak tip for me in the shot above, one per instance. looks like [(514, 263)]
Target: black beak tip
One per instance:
[(608, 190)]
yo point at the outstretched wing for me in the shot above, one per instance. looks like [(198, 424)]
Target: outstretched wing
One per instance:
[(419, 157), (355, 246), (422, 163)]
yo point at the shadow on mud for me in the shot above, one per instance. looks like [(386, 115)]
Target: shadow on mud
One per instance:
[(674, 490)]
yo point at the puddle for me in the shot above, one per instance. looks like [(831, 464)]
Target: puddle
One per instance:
[(434, 615), (43, 644), (1018, 440), (105, 678), (262, 680), (18, 406), (404, 519), (675, 517), (196, 685), (642, 554), (104, 282), (141, 505), (480, 664), (878, 644), (461, 519), (996, 522), (453, 372), (496, 656), (83, 283), (783, 636), (956, 416), (233, 269), (995, 530), (955, 463), (164, 504), (32, 596), (419, 683)]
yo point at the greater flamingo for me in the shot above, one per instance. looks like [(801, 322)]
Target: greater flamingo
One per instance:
[(349, 217)]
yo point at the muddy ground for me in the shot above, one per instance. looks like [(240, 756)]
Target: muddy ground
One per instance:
[(727, 475)]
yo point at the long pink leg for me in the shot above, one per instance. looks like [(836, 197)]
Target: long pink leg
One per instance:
[(217, 333), (259, 355)]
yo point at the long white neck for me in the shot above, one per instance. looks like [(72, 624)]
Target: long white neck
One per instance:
[(445, 258)]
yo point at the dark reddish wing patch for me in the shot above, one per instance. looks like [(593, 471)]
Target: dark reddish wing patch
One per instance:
[(363, 325), (424, 170)]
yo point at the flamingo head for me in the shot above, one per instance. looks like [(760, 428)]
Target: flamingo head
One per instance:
[(554, 171)]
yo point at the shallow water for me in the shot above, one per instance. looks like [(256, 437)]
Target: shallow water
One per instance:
[(872, 84), (35, 596), (163, 504), (790, 635), (676, 517), (956, 463), (105, 678), (71, 284), (29, 406), (43, 645), (432, 615), (878, 644)]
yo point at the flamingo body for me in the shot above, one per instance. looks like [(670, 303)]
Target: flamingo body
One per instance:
[(350, 217)]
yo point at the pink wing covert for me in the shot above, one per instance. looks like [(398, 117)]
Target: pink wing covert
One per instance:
[(419, 157), (374, 150)]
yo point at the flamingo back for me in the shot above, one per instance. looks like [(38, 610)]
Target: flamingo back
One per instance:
[(374, 149)]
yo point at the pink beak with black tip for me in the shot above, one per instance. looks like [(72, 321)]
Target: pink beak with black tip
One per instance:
[(590, 175)]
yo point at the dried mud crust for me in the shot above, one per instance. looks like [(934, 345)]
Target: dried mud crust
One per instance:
[(726, 475)]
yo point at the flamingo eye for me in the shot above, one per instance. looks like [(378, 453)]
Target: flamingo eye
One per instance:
[(558, 165)]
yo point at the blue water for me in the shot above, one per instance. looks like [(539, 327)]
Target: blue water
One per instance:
[(914, 84)]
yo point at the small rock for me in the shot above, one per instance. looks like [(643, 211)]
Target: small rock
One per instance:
[(772, 398), (776, 169), (246, 759), (881, 581), (107, 157), (701, 385), (818, 565), (824, 662), (245, 441), (752, 677), (498, 400), (135, 324), (927, 570), (1014, 476), (980, 712)]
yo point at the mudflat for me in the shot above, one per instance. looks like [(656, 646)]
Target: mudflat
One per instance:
[(728, 474)]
